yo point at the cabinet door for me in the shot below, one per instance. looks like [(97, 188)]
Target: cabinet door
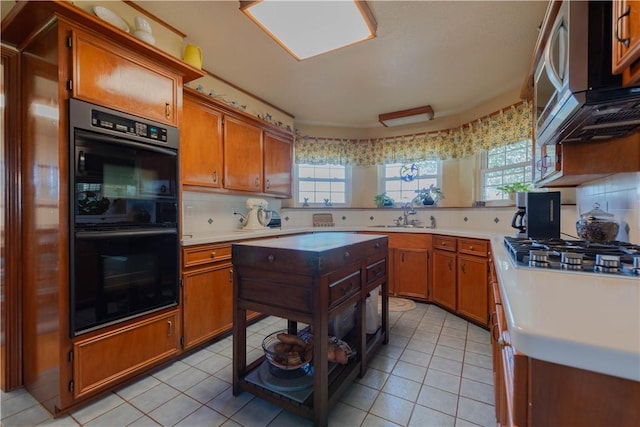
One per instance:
[(626, 34), (242, 155), (411, 272), (444, 278), (545, 161), (113, 77), (106, 359), (277, 165), (201, 144), (472, 287), (207, 304)]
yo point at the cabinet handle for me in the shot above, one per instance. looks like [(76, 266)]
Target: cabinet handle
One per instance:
[(450, 268), (444, 243), (502, 343), (215, 176), (169, 328), (257, 183), (627, 40), (347, 255), (268, 183), (464, 267), (494, 328), (167, 110), (470, 247), (377, 246), (213, 254), (231, 275), (271, 258), (403, 257)]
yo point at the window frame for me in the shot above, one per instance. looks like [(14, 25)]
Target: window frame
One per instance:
[(382, 179), (347, 186), (483, 169)]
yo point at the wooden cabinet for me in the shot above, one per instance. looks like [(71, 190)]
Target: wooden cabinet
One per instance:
[(64, 52), (109, 358), (626, 40), (444, 271), (473, 279), (242, 155), (308, 279), (207, 292), (580, 162), (108, 75), (409, 264), (277, 164), (201, 144)]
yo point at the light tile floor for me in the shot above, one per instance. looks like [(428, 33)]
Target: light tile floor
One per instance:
[(436, 371)]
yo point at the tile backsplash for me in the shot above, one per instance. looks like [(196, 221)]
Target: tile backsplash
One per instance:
[(619, 195), (207, 213)]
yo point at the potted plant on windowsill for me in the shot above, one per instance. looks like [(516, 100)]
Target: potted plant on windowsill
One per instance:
[(383, 200), (513, 188), (428, 195)]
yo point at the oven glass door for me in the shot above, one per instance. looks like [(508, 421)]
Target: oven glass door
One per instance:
[(120, 183), (119, 275)]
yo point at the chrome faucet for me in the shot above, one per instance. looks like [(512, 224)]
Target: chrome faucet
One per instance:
[(408, 210), (433, 221)]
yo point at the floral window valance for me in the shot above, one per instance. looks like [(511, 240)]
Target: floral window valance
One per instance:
[(502, 128)]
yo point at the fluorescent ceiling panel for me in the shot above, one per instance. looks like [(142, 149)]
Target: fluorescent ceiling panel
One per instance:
[(405, 117), (307, 28)]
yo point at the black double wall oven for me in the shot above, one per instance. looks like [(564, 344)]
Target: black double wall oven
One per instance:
[(124, 246)]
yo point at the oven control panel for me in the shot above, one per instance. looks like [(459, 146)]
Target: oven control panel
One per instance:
[(127, 126)]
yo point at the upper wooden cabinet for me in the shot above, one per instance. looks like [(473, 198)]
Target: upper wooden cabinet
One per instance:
[(626, 40), (108, 75), (277, 164), (226, 149), (201, 144), (242, 155)]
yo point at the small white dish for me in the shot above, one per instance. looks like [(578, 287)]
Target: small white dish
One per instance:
[(142, 24), (110, 17), (144, 36)]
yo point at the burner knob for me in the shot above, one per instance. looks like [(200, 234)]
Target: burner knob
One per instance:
[(608, 261), (539, 256), (571, 258), (636, 262)]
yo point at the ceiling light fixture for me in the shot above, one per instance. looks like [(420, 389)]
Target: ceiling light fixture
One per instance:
[(307, 28), (405, 117)]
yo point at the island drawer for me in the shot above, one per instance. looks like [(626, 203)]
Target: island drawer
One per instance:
[(376, 270), (343, 286)]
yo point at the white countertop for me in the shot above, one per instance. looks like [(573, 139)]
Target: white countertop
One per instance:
[(588, 321)]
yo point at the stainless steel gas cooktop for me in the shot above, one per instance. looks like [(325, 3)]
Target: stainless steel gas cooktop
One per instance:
[(611, 258)]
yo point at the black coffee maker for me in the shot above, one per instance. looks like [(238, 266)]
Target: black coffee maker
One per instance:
[(519, 221)]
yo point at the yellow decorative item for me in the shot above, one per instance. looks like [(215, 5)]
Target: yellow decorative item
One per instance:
[(193, 56)]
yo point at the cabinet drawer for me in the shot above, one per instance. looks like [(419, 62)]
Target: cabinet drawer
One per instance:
[(342, 287), (473, 246), (376, 270), (199, 255), (446, 243)]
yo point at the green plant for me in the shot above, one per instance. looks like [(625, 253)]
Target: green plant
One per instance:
[(383, 200), (428, 193), (514, 187)]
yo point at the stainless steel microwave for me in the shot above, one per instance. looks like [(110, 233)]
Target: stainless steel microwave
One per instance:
[(576, 96)]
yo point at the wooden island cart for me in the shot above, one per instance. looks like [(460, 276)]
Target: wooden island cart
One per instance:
[(309, 279)]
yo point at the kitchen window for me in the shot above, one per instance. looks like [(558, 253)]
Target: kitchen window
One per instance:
[(322, 184), (505, 165), (401, 180)]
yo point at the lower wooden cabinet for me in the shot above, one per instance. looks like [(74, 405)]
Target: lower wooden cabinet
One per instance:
[(207, 304), (411, 272), (444, 278), (106, 359), (472, 287)]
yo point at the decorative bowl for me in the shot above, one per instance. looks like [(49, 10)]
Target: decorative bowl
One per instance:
[(283, 357)]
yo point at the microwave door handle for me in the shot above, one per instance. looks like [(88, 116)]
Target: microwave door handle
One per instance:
[(554, 71), (81, 162)]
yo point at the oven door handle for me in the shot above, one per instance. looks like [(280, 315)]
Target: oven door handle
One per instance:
[(128, 143), (124, 233)]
